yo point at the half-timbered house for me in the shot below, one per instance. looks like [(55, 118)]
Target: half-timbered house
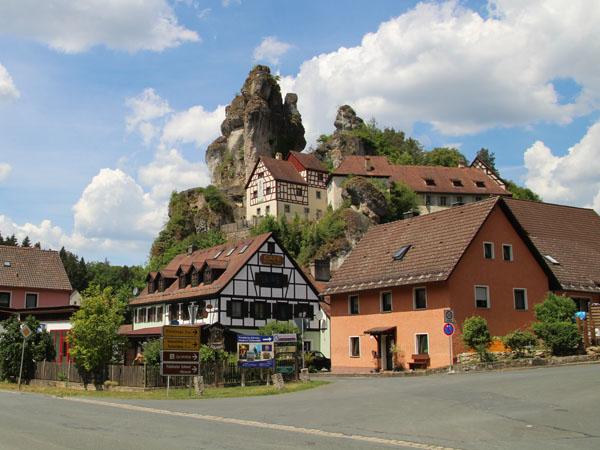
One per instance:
[(296, 185), (241, 285)]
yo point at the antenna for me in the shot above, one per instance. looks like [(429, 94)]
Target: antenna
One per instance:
[(136, 291)]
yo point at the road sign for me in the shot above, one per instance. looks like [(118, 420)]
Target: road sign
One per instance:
[(448, 329), (181, 332), (291, 337), (180, 356), (448, 316), (180, 344), (190, 369), (25, 331), (285, 369)]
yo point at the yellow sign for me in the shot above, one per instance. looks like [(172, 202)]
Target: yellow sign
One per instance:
[(180, 344), (271, 260), (179, 331)]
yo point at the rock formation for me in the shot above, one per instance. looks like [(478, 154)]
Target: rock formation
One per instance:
[(347, 120), (257, 123)]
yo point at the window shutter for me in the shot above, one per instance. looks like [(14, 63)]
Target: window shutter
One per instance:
[(268, 313), (244, 309), (252, 313), (229, 308), (275, 310)]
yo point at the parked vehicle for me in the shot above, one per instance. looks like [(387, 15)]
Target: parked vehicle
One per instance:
[(318, 360)]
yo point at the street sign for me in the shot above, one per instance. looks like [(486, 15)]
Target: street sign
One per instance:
[(448, 329), (180, 344), (181, 332), (285, 337), (190, 369), (285, 369), (25, 331), (180, 356), (448, 316)]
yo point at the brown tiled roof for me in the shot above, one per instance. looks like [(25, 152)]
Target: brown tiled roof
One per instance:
[(443, 177), (355, 165), (569, 235), (282, 170), (232, 264), (309, 161), (437, 241), (32, 268)]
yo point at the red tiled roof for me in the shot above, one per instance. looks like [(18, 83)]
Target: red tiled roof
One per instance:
[(308, 161), (569, 235), (32, 268), (232, 264), (282, 170), (437, 241), (355, 165)]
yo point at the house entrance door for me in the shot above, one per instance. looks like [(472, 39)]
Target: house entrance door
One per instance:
[(389, 357)]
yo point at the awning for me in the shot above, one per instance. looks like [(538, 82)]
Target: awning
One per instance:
[(381, 330)]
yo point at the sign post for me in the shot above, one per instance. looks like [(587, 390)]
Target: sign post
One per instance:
[(180, 354), (25, 332), (449, 331)]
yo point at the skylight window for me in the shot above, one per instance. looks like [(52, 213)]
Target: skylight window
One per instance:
[(480, 184), (218, 254), (457, 183), (230, 251), (551, 259), (6, 263), (401, 253), (430, 182), (244, 248)]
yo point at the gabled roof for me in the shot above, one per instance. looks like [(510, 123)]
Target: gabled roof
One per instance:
[(280, 170), (32, 268), (437, 243), (232, 264), (308, 161), (569, 235), (355, 165)]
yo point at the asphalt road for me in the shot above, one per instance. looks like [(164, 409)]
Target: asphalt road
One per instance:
[(544, 408)]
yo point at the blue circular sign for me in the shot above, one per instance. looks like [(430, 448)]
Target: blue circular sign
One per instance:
[(448, 329)]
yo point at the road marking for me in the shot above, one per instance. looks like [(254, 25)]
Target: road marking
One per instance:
[(271, 426)]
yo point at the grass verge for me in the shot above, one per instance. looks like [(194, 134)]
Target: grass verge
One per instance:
[(161, 394)]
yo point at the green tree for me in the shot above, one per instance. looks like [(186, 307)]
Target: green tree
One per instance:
[(443, 156), (76, 269), (522, 193), (487, 157), (38, 347), (476, 335), (95, 340), (276, 327), (555, 325), (26, 242), (151, 352), (401, 199)]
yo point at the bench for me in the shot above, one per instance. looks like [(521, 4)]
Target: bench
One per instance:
[(420, 361)]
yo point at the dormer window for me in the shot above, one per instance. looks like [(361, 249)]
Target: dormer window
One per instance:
[(151, 287), (480, 184), (207, 276), (183, 281), (195, 278), (457, 183), (161, 284), (430, 182), (401, 253)]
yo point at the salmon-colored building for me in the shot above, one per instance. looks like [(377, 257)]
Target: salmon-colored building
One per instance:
[(396, 284)]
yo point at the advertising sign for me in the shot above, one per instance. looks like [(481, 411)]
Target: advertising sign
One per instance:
[(285, 337), (255, 351)]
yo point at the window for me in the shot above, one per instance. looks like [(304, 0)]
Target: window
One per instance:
[(507, 253), (283, 311), (420, 298), (421, 343), (231, 251), (268, 190), (31, 300), (271, 247), (478, 198), (258, 211), (260, 174), (319, 213), (304, 310), (182, 281), (482, 298), (480, 184), (307, 211), (159, 313), (260, 310), (299, 192), (286, 208), (268, 210), (353, 305), (151, 314), (320, 177), (318, 194), (551, 259), (354, 346), (520, 299), (244, 248), (386, 302), (254, 194), (429, 200), (488, 250), (195, 278), (429, 182), (308, 347), (235, 309), (457, 183), (271, 280), (443, 201), (459, 199), (401, 253), (5, 299)]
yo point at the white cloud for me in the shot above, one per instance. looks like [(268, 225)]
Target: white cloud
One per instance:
[(5, 169), (8, 91), (570, 179), (194, 125), (443, 64), (227, 3), (270, 49), (145, 108), (75, 26)]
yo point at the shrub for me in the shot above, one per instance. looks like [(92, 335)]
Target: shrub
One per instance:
[(555, 324), (519, 340), (476, 335)]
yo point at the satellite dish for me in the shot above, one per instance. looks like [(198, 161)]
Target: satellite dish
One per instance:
[(136, 291), (320, 315)]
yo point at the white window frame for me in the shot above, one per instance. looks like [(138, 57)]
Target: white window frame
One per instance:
[(9, 298), (318, 195), (415, 289), (417, 342), (510, 247), (350, 313), (491, 244), (381, 294), (487, 293), (310, 345), (443, 200), (37, 300), (350, 338), (525, 299)]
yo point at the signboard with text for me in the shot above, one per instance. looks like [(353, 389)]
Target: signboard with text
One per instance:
[(180, 351), (255, 351), (181, 369)]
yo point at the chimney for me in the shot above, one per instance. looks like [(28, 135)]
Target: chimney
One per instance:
[(462, 164), (278, 156), (191, 249), (410, 214), (320, 269), (368, 167)]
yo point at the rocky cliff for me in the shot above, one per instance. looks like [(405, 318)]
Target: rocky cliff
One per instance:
[(257, 123)]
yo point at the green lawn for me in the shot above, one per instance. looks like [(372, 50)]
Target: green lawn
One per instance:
[(161, 394)]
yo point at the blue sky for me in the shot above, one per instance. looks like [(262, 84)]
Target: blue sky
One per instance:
[(107, 107)]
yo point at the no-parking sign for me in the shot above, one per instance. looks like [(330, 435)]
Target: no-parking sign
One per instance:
[(448, 329)]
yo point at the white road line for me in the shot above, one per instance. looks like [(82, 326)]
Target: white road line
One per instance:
[(271, 426)]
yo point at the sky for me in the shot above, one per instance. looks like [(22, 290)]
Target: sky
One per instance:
[(108, 106)]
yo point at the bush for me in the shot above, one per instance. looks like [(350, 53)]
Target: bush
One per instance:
[(476, 335), (151, 352), (519, 340), (555, 324)]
